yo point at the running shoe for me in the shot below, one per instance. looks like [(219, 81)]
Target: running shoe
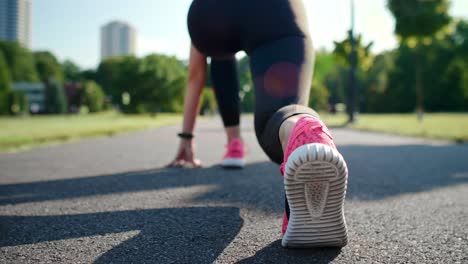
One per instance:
[(235, 154), (315, 177)]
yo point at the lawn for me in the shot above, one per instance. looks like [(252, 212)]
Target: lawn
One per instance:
[(450, 126), (25, 132)]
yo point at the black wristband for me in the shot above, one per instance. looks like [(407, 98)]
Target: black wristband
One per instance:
[(185, 135)]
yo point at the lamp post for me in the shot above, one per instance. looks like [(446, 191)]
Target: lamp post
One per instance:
[(352, 93)]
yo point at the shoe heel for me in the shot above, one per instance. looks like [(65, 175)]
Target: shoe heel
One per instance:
[(315, 181)]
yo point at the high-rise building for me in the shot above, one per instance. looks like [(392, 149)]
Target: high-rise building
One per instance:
[(15, 21), (117, 38)]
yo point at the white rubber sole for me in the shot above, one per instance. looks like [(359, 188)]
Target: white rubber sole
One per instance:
[(315, 180), (233, 163)]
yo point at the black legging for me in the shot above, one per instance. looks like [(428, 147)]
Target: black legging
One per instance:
[(275, 36)]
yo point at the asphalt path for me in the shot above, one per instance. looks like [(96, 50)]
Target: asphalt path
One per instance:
[(110, 200)]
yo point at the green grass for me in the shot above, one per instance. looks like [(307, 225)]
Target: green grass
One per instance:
[(25, 132), (449, 126), (333, 120)]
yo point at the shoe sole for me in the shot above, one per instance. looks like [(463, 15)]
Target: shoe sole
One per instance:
[(233, 163), (315, 181)]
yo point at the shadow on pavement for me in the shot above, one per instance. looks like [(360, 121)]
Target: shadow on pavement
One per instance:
[(376, 172), (193, 235), (274, 253), (174, 235), (243, 186)]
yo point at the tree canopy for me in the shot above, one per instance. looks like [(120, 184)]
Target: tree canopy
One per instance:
[(20, 62), (419, 18)]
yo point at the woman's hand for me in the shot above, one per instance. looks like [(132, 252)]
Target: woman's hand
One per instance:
[(197, 76), (185, 156)]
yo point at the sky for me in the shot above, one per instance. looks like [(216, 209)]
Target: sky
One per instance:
[(71, 29)]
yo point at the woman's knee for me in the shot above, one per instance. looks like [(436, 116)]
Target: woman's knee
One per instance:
[(267, 127)]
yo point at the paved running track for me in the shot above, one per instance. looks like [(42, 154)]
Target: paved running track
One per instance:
[(109, 200)]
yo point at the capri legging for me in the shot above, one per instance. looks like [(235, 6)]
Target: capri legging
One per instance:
[(275, 36)]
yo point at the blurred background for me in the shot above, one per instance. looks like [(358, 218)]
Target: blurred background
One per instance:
[(73, 69)]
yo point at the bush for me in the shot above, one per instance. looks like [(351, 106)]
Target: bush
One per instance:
[(13, 103), (18, 103), (92, 96)]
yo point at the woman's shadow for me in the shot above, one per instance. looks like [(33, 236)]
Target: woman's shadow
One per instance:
[(172, 235), (169, 235)]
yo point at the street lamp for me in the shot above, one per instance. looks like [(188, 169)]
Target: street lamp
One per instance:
[(352, 93)]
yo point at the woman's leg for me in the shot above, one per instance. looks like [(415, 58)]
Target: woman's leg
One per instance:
[(314, 172), (226, 87), (282, 73)]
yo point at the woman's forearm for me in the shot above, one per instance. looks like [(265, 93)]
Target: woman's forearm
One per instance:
[(192, 105), (196, 81)]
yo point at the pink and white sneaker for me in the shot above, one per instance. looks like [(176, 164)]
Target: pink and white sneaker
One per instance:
[(235, 154), (315, 178)]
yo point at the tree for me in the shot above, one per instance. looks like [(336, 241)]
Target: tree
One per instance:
[(161, 85), (5, 78), (335, 81), (318, 96), (417, 22), (71, 71), (55, 102), (47, 66), (116, 75), (453, 88), (20, 62), (399, 97), (323, 93), (155, 83), (5, 85), (208, 101), (11, 102), (444, 75), (247, 91), (4, 103), (324, 64), (376, 82), (364, 58), (342, 52), (460, 39)]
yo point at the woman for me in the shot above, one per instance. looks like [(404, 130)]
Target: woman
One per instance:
[(275, 36)]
